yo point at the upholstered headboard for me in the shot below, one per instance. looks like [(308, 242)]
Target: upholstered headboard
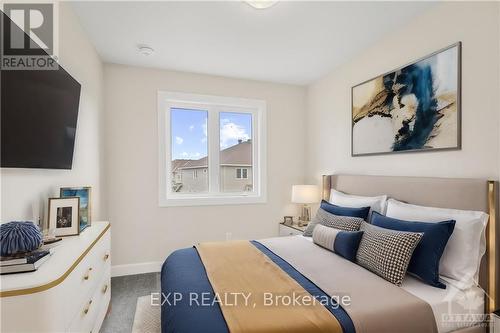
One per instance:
[(458, 193)]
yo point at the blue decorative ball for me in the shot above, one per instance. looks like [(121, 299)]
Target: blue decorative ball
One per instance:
[(19, 237)]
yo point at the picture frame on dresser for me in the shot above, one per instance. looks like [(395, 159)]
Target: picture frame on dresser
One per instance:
[(288, 220), (85, 195), (64, 216)]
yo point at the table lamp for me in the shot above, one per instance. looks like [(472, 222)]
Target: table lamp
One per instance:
[(305, 194)]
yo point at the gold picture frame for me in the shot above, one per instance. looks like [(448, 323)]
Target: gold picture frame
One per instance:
[(85, 195)]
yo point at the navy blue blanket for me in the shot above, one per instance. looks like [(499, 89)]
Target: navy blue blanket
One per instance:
[(188, 304)]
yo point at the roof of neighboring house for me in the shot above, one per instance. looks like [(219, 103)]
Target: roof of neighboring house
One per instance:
[(239, 154), (176, 164)]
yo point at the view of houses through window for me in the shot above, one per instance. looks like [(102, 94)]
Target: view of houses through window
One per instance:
[(189, 150), (190, 164), (235, 152)]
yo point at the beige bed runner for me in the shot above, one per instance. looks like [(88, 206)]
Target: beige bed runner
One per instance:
[(376, 306), (239, 267)]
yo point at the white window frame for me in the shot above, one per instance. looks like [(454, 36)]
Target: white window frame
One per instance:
[(214, 105)]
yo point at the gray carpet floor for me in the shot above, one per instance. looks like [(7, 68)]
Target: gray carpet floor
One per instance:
[(124, 293)]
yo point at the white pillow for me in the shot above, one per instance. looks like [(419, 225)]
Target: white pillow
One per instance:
[(376, 204), (461, 258)]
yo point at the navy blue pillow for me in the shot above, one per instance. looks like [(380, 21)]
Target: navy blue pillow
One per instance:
[(424, 262), (345, 211), (346, 244)]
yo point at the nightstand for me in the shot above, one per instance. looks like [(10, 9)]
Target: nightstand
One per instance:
[(291, 230)]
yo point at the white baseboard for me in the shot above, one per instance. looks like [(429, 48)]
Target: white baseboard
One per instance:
[(131, 269)]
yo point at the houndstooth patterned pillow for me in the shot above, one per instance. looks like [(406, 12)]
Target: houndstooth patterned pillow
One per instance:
[(385, 252), (346, 223)]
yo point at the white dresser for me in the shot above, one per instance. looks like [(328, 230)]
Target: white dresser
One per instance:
[(70, 292)]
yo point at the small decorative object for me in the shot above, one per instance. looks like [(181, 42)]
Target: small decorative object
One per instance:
[(305, 194), (64, 216), (413, 108), (19, 237), (47, 241), (84, 193), (288, 220)]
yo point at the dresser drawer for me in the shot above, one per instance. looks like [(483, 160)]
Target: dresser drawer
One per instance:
[(104, 306), (84, 279), (85, 320)]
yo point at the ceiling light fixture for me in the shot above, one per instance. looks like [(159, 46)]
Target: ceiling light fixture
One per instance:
[(261, 4), (145, 50)]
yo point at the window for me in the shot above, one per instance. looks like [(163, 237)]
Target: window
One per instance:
[(212, 150), (241, 173), (184, 160), (178, 177)]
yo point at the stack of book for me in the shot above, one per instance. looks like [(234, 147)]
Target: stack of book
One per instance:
[(27, 262)]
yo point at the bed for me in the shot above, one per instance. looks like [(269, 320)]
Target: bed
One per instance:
[(192, 296)]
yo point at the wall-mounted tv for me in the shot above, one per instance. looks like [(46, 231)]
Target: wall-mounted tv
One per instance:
[(39, 112)]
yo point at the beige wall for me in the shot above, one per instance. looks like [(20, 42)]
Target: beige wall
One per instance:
[(23, 187), (329, 109), (145, 232)]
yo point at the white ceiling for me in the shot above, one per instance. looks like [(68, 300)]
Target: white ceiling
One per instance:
[(291, 42)]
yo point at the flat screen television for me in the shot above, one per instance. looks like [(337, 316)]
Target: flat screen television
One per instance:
[(39, 113)]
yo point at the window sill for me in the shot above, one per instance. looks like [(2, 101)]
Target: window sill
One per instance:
[(212, 200)]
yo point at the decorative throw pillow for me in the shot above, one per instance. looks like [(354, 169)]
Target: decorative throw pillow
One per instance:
[(345, 223), (424, 262), (461, 258), (385, 252), (345, 211), (344, 243), (377, 204)]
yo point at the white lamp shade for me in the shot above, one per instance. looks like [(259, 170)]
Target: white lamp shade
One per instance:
[(305, 194)]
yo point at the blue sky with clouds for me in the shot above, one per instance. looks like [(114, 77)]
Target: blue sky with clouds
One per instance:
[(189, 131)]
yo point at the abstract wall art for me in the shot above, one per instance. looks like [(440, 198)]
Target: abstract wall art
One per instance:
[(413, 108)]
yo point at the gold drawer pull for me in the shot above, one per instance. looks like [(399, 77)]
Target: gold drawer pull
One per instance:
[(86, 310), (87, 276), (105, 288), (106, 256)]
